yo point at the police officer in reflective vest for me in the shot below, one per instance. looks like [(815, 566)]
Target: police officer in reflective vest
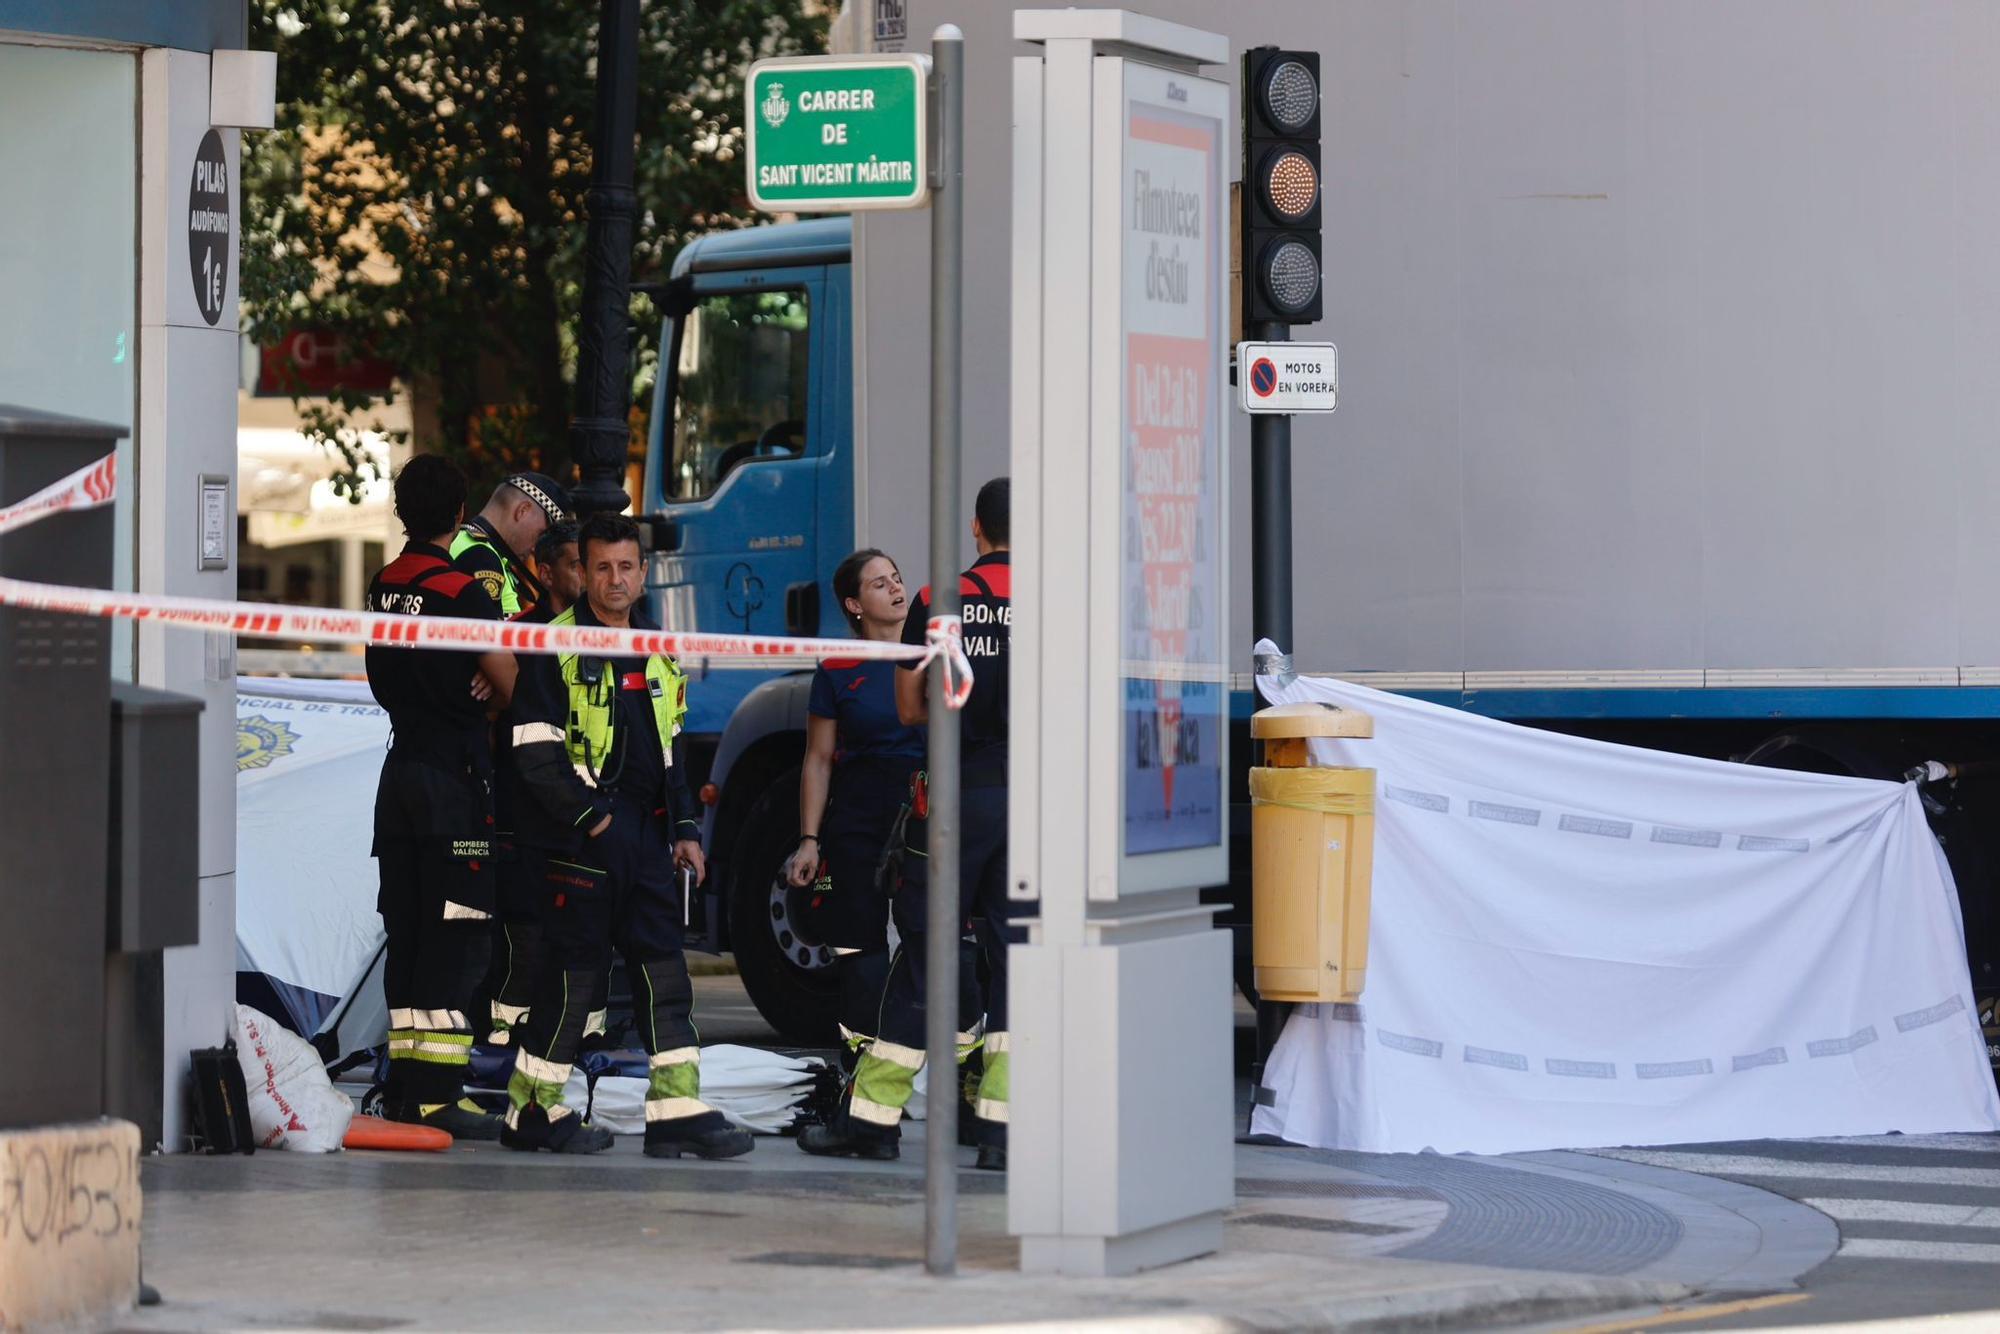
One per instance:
[(495, 545), (595, 742), (434, 811), (885, 1076), (518, 953)]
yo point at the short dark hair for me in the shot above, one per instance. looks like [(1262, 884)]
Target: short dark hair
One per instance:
[(992, 508), (550, 544), (605, 527), (430, 495), (847, 580)]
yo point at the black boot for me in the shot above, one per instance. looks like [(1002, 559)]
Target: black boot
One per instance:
[(566, 1134), (461, 1120), (841, 1140), (707, 1135), (991, 1137)]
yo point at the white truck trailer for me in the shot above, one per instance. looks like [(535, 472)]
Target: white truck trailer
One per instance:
[(1670, 389)]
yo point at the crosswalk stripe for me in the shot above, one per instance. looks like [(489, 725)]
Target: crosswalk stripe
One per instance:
[(1907, 1211), (1989, 1143), (1745, 1165), (1955, 1252)]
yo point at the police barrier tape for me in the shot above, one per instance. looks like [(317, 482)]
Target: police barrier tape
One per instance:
[(97, 485), (84, 489)]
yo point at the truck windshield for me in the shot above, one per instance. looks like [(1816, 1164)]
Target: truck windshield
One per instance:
[(739, 387)]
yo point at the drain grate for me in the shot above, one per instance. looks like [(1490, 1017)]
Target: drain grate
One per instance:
[(1306, 1223), (827, 1260)]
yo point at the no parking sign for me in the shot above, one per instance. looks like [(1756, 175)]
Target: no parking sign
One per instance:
[(1286, 377)]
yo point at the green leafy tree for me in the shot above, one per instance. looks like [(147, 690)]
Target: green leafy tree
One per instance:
[(424, 194)]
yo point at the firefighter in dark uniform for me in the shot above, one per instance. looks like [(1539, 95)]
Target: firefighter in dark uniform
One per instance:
[(518, 951), (884, 1078), (595, 740), (559, 571), (434, 811), (494, 546)]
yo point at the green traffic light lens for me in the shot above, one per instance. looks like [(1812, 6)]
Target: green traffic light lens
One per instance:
[(1291, 95)]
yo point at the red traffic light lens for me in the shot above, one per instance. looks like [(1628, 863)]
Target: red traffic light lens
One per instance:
[(1290, 95)]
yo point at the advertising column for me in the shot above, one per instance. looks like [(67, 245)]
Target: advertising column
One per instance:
[(1173, 612), (1120, 1152)]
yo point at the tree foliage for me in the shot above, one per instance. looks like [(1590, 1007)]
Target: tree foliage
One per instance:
[(423, 193)]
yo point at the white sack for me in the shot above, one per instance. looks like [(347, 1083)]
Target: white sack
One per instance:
[(293, 1105), (1577, 944)]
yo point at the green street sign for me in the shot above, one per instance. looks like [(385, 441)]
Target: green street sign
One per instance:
[(829, 134)]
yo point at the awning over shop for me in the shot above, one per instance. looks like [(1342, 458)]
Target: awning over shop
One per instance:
[(283, 489)]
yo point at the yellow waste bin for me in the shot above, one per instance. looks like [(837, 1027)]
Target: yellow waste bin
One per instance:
[(1312, 846)]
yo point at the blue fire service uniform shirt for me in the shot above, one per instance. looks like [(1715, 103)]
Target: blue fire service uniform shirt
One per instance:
[(860, 697), (987, 590)]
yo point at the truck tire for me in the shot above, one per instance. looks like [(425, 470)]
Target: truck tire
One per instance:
[(789, 978)]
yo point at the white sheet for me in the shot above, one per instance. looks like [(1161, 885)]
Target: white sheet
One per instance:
[(308, 755), (1578, 944)]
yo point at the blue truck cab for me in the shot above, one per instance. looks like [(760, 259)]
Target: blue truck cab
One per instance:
[(749, 489), (749, 456)]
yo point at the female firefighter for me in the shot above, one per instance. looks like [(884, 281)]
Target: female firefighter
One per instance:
[(858, 768)]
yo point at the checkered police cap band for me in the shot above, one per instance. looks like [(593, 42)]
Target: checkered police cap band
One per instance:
[(545, 493)]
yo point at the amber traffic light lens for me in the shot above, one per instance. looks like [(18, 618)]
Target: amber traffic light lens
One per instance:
[(1291, 184)]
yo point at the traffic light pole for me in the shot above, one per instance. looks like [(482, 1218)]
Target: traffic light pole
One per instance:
[(1270, 583), (1271, 514), (943, 918)]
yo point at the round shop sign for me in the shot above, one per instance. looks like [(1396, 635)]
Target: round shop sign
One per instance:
[(209, 238)]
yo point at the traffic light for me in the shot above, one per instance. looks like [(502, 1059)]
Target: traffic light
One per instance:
[(1281, 187)]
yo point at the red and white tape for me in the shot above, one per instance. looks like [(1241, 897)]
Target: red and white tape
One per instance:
[(97, 485), (84, 489), (944, 637)]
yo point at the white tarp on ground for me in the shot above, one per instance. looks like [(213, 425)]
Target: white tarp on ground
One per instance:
[(308, 754), (1578, 944), (758, 1090)]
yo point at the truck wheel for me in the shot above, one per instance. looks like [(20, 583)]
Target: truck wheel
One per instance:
[(788, 973)]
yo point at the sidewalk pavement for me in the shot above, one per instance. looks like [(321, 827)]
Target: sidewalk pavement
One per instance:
[(484, 1239)]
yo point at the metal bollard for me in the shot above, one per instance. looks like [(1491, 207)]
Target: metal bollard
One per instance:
[(1312, 850)]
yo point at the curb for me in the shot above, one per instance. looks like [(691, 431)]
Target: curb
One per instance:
[(1484, 1304), (1499, 1302)]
